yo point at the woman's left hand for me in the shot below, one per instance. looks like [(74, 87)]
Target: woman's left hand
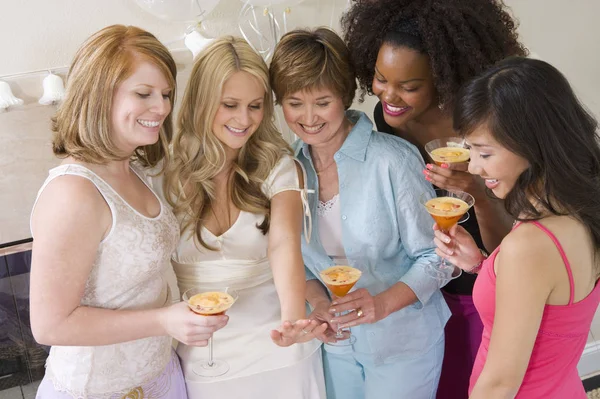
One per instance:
[(297, 332), (455, 177), (363, 308)]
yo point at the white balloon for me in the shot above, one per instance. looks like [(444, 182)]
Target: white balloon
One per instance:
[(178, 10), (196, 42)]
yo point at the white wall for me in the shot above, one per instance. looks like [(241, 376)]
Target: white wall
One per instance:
[(42, 34), (567, 35)]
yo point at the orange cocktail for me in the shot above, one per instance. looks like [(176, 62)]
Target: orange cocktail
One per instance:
[(448, 150), (212, 303), (450, 155), (446, 211), (340, 279)]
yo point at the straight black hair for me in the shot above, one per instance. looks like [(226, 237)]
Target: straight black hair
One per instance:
[(530, 109)]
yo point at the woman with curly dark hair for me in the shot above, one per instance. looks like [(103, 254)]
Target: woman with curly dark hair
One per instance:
[(415, 61)]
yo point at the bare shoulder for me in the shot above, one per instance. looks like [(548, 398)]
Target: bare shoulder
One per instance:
[(526, 245), (71, 199)]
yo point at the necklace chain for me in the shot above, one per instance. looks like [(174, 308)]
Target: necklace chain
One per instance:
[(325, 168)]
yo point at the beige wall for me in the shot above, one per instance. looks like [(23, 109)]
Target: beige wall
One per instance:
[(567, 35), (38, 35)]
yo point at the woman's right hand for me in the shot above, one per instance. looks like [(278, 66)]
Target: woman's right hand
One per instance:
[(181, 323), (458, 247), (321, 314)]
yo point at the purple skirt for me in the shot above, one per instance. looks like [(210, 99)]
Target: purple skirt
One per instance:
[(169, 385), (463, 336)]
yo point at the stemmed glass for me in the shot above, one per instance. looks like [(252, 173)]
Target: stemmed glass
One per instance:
[(340, 280), (446, 209), (449, 150), (210, 303)]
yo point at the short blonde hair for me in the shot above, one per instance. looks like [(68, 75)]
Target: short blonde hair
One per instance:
[(306, 59), (82, 124), (198, 155)]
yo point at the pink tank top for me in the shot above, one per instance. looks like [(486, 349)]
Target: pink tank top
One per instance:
[(552, 371)]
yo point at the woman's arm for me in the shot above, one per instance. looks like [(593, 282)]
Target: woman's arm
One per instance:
[(69, 222), (285, 254), (523, 285)]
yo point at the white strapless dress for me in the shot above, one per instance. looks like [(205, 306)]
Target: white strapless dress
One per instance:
[(258, 367)]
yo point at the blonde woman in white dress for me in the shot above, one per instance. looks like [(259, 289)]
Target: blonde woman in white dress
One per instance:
[(239, 196), (102, 237)]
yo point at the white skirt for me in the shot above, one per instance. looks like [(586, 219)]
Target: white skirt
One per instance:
[(257, 367)]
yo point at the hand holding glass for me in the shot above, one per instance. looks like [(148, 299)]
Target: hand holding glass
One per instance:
[(210, 303), (446, 209), (340, 280)]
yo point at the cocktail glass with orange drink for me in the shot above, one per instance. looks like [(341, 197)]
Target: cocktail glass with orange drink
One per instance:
[(210, 303), (340, 280), (446, 209), (449, 150)]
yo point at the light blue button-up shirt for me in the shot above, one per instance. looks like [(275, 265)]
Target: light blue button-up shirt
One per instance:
[(386, 232)]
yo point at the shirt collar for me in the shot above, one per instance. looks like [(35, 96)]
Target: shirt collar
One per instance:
[(355, 145)]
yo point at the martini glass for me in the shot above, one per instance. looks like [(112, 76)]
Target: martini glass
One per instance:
[(449, 150), (446, 209), (210, 303), (340, 280)]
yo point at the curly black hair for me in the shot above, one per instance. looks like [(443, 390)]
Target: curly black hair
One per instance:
[(462, 38)]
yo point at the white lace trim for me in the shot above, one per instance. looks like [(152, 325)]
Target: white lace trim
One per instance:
[(325, 207)]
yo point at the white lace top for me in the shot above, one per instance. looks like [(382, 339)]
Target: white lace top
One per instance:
[(330, 229), (128, 273)]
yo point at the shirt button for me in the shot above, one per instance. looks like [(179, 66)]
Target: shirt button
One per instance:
[(344, 217)]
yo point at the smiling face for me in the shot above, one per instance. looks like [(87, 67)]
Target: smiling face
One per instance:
[(316, 116), (497, 165), (404, 84), (240, 112), (140, 105)]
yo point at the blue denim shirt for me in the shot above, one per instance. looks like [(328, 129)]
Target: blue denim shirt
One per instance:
[(386, 232)]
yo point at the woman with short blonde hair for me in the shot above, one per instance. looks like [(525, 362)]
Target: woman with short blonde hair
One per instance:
[(366, 215), (82, 125), (102, 238)]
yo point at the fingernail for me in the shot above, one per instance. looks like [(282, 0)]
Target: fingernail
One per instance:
[(425, 172), (332, 311), (332, 321), (429, 166), (445, 165), (428, 178), (450, 253), (446, 240), (334, 303)]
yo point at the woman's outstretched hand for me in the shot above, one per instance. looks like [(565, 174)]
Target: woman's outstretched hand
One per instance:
[(303, 330)]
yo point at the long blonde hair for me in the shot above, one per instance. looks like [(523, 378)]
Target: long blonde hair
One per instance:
[(198, 155), (82, 124)]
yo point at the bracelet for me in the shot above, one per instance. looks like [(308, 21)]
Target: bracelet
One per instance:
[(475, 269)]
